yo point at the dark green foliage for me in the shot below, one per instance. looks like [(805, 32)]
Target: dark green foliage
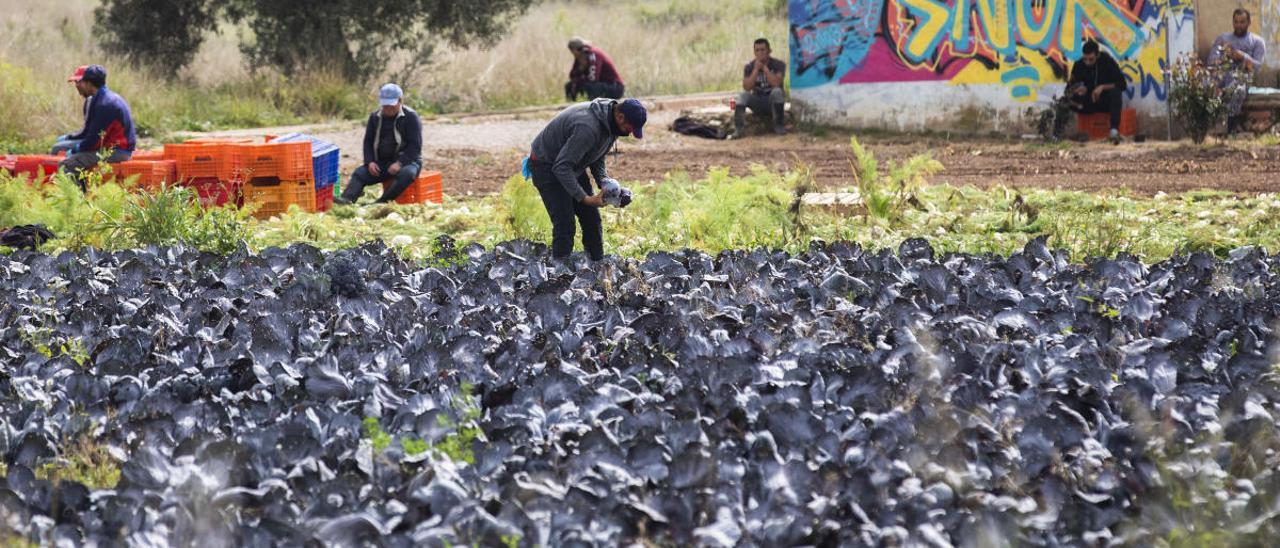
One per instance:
[(164, 34), (356, 39)]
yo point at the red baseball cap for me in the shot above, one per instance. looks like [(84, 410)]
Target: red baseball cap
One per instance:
[(79, 74)]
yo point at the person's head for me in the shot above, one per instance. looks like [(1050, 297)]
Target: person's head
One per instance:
[(578, 45), (1240, 20), (630, 116), (88, 79), (390, 97), (1089, 53), (762, 49)]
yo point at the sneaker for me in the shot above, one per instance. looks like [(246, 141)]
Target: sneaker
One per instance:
[(735, 136), (1115, 137), (339, 200), (780, 130)]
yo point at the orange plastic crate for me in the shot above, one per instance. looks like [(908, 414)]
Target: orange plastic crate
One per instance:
[(199, 161), (1098, 125), (288, 161), (274, 198), (428, 187), (150, 175), (148, 155)]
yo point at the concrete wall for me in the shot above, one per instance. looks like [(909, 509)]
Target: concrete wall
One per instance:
[(972, 65)]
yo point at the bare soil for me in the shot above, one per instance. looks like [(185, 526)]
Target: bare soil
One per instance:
[(478, 154)]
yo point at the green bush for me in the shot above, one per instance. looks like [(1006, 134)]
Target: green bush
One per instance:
[(1200, 94)]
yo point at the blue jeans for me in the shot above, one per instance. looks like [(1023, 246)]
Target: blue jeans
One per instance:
[(64, 144), (362, 178)]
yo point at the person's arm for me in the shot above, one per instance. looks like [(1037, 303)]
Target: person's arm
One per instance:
[(370, 155), (100, 116), (1255, 55), (88, 114), (411, 152), (581, 140), (1116, 76), (775, 78), (599, 172), (593, 67), (1214, 51), (749, 74)]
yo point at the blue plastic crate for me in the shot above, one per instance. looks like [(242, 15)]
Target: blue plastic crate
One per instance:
[(324, 157)]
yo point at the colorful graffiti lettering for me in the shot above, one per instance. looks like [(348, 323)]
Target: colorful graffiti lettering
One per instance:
[(1021, 44)]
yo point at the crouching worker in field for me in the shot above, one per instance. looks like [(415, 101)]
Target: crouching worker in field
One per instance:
[(575, 140), (392, 149), (593, 73), (1097, 85), (108, 125)]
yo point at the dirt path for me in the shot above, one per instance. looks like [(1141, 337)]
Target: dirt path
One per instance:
[(478, 153)]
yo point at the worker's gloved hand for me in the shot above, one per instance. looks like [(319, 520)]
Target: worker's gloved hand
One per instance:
[(615, 194)]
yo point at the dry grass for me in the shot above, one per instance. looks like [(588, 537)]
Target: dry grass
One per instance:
[(660, 47)]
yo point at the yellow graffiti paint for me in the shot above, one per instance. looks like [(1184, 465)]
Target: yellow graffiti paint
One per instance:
[(977, 73), (933, 20), (1038, 33), (997, 24), (1115, 27)]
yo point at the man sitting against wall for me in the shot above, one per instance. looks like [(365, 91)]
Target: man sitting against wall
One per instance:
[(1097, 85), (1244, 51)]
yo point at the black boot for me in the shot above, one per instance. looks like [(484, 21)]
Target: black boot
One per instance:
[(780, 119)]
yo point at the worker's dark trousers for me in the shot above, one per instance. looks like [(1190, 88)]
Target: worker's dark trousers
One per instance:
[(563, 209), (361, 178), (593, 90), (76, 164), (1112, 101)]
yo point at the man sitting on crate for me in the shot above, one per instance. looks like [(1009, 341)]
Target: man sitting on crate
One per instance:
[(392, 149), (1097, 85), (108, 125)]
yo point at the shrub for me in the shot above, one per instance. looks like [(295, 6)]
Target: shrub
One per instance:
[(1200, 94)]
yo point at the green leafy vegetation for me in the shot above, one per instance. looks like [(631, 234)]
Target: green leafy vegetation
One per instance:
[(84, 460), (455, 445)]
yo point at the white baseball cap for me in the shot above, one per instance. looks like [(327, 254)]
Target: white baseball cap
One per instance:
[(390, 94)]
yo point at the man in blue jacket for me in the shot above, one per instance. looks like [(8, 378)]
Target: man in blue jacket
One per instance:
[(108, 125), (392, 149), (575, 140)]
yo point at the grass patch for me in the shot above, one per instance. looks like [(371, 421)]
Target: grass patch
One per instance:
[(84, 460), (455, 446)]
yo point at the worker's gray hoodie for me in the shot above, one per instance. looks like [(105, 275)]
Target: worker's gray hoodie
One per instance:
[(576, 139)]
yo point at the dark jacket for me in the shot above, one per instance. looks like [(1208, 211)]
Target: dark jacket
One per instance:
[(762, 83), (408, 137), (1105, 71), (577, 138), (108, 124)]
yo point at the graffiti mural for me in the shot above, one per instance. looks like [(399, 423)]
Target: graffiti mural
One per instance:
[(1020, 44)]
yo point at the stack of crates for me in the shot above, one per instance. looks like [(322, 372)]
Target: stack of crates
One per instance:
[(212, 169), (279, 174), (324, 166), (428, 187)]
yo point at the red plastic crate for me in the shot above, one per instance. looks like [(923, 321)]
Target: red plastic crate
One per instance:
[(149, 175), (275, 197), (1098, 125), (205, 161), (288, 161), (324, 199), (215, 192), (428, 187), (7, 162), (32, 165)]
